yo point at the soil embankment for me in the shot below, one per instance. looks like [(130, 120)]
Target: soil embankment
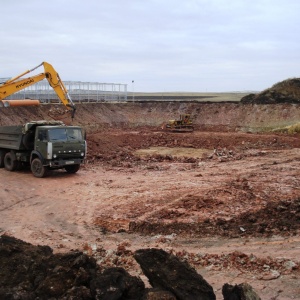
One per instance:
[(206, 116)]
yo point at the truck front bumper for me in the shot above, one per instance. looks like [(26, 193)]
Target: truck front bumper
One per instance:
[(65, 162)]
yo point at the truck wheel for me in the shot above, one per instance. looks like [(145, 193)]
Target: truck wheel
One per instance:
[(72, 169), (10, 164), (37, 168), (2, 154)]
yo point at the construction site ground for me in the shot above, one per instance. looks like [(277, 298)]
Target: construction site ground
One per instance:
[(226, 201)]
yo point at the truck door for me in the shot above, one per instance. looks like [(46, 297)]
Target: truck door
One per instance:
[(41, 142)]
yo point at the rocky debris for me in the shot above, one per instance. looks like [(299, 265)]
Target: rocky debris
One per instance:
[(242, 291), (168, 272), (263, 268), (223, 155), (287, 91)]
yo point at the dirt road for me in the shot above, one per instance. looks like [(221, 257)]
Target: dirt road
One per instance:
[(228, 203)]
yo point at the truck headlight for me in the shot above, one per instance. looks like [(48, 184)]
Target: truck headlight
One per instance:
[(82, 153)]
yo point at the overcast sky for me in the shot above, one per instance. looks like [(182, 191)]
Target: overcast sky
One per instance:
[(163, 45)]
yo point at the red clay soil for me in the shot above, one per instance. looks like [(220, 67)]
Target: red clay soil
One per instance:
[(232, 210), (224, 200)]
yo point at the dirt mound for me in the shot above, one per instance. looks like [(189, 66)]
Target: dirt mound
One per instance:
[(33, 272), (276, 218), (287, 91)]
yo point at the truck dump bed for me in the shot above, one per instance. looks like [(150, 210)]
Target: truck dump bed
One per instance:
[(11, 137)]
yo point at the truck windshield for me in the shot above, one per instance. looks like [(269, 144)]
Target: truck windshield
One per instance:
[(65, 134)]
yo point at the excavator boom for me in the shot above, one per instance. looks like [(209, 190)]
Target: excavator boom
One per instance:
[(16, 84), (13, 86)]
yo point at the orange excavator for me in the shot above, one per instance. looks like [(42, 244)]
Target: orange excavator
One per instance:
[(17, 83)]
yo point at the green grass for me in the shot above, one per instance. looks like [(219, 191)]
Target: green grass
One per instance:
[(295, 128), (291, 129)]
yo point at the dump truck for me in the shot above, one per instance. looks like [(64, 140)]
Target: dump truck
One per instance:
[(42, 145), (184, 124)]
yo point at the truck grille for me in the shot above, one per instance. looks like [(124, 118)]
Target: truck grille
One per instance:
[(69, 155)]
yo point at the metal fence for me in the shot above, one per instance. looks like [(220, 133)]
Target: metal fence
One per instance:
[(78, 91)]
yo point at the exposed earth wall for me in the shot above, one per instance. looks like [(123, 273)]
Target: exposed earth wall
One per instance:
[(209, 116)]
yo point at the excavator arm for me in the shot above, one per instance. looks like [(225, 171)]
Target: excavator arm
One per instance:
[(16, 84)]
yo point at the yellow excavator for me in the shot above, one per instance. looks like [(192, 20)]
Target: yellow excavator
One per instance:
[(184, 124), (17, 83)]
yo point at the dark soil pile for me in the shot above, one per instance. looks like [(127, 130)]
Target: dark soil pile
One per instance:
[(287, 91), (33, 272)]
